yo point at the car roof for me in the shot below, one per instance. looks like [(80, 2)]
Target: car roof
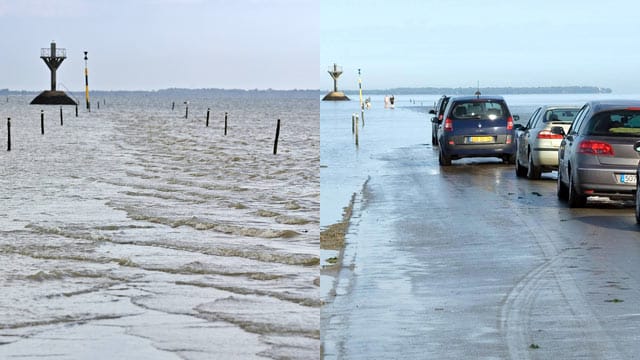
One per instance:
[(474, 97), (603, 105)]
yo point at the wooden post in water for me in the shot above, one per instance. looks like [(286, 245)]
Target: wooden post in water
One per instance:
[(61, 116), (186, 113), (8, 134), (173, 105), (76, 110), (275, 144), (42, 122), (225, 123), (356, 130), (208, 110), (353, 123)]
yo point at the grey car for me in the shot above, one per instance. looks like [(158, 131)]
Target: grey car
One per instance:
[(536, 146), (597, 156)]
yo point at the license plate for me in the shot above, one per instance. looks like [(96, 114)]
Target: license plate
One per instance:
[(479, 139), (627, 179)]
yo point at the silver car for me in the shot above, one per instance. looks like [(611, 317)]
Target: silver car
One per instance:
[(537, 146), (597, 157)]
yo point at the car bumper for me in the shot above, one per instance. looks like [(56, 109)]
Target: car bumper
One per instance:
[(604, 182), (483, 150), (545, 157)]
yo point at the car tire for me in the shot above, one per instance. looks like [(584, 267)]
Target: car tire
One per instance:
[(509, 159), (443, 159), (521, 171), (574, 199), (562, 191), (533, 172)]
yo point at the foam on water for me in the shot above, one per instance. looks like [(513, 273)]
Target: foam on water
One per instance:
[(132, 215)]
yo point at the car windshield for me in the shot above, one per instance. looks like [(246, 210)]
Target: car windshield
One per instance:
[(560, 115), (478, 110), (615, 123)]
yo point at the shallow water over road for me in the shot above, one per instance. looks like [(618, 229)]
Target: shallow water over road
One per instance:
[(469, 261)]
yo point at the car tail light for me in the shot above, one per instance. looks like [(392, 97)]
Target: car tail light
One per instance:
[(440, 117), (593, 147), (510, 123), (546, 134), (448, 125)]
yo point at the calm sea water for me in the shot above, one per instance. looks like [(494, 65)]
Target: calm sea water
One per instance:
[(132, 232)]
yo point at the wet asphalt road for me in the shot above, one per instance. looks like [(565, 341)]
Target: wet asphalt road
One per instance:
[(469, 261)]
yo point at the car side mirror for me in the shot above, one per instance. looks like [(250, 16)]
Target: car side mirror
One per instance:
[(558, 130), (516, 117), (636, 146), (432, 112)]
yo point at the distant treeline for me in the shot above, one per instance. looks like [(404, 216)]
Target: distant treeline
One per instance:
[(488, 90), (183, 93)]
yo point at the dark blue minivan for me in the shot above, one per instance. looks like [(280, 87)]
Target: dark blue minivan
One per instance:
[(476, 126)]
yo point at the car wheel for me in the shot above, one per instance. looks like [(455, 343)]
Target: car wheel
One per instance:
[(443, 159), (521, 171), (533, 172), (561, 190), (637, 204), (575, 199)]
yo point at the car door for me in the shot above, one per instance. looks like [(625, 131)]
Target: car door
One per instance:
[(523, 137), (566, 146)]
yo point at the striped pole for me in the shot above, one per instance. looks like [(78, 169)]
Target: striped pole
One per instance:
[(361, 102), (86, 82)]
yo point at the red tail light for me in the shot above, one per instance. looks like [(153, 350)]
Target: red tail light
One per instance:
[(448, 125), (510, 123), (546, 134), (593, 147)]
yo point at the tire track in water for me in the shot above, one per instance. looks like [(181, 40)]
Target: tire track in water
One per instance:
[(517, 309)]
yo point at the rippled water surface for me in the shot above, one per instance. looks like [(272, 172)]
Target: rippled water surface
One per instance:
[(132, 232)]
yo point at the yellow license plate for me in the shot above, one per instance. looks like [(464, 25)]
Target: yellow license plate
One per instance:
[(480, 139)]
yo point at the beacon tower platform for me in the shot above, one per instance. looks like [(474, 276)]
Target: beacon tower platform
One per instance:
[(53, 57), (335, 71)]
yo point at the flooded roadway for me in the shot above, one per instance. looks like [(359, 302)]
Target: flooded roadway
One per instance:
[(471, 262)]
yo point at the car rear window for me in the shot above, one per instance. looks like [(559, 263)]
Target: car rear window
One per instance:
[(560, 115), (478, 110), (615, 123)]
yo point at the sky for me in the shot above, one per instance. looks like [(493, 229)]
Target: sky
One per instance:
[(158, 44), (460, 43)]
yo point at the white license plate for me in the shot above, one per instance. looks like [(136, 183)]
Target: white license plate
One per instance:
[(627, 179)]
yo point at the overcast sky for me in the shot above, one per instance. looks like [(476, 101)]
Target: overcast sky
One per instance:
[(156, 44), (455, 43)]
